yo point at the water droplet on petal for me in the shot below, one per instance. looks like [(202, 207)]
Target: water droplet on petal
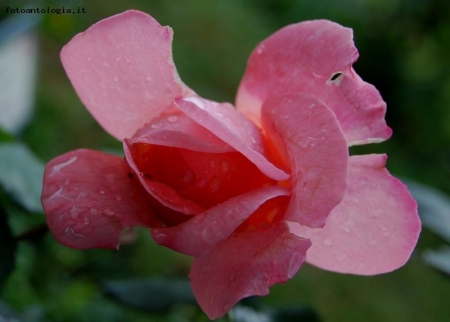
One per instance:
[(224, 166), (118, 198), (201, 183), (187, 176), (101, 191), (214, 184), (212, 164), (172, 118), (74, 212), (108, 212), (340, 257), (86, 221), (327, 242), (93, 211), (148, 95)]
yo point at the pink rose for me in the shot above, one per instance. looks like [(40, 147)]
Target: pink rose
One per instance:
[(250, 191)]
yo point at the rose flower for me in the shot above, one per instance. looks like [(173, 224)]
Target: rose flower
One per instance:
[(251, 192)]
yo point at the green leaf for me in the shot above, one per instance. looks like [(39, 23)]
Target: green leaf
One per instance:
[(31, 314), (8, 246), (434, 208), (155, 294), (5, 137), (21, 175), (243, 313), (294, 314)]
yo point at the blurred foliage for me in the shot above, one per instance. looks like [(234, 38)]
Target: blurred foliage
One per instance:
[(404, 47)]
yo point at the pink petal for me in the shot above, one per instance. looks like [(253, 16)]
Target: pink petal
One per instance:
[(89, 199), (179, 131), (307, 133), (200, 234), (374, 229), (123, 72), (303, 58), (246, 264), (233, 128)]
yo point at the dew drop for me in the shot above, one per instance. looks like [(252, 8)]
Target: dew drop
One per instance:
[(101, 191), (212, 164), (172, 118), (93, 211), (187, 176), (224, 166), (74, 212), (160, 237), (340, 257), (108, 212), (260, 49), (86, 221), (327, 242), (214, 184), (148, 95), (201, 183), (118, 198)]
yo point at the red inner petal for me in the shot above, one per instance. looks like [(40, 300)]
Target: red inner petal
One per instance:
[(270, 212), (204, 178)]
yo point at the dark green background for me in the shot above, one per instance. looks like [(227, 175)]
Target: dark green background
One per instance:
[(404, 51)]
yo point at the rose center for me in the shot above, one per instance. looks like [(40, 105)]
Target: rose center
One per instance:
[(204, 178)]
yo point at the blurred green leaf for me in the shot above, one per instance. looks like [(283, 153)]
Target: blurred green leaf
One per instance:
[(246, 314), (243, 313), (439, 259), (434, 208), (7, 250), (5, 137), (21, 175), (294, 314), (32, 314), (154, 294)]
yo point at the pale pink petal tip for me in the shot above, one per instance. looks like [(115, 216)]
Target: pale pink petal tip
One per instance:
[(89, 199), (233, 128), (315, 58), (246, 264), (123, 72), (307, 135), (373, 230)]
